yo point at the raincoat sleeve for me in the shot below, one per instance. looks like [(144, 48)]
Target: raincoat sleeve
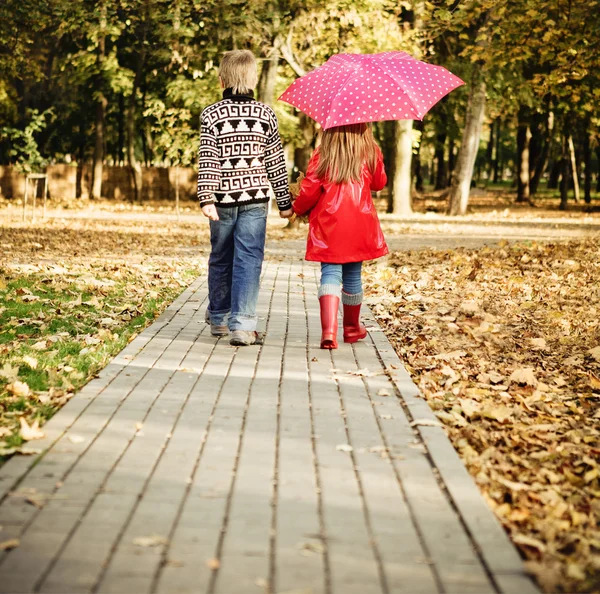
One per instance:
[(379, 176), (310, 189), (209, 164)]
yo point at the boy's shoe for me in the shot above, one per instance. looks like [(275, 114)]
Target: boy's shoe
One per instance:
[(244, 338), (215, 329), (218, 330)]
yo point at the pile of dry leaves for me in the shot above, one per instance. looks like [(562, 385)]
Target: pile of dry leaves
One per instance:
[(505, 345)]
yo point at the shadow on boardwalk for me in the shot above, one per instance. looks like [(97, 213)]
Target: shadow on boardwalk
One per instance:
[(193, 466)]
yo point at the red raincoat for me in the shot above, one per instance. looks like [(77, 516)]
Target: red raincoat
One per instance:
[(343, 223)]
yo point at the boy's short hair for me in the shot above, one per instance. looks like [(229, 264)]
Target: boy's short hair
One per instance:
[(238, 71)]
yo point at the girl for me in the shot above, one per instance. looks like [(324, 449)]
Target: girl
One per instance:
[(343, 226)]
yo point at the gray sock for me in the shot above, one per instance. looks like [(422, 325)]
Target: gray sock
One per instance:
[(330, 290), (348, 299)]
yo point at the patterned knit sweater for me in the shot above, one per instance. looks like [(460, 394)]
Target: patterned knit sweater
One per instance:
[(240, 154)]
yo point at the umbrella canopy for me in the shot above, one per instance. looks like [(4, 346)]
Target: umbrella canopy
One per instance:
[(353, 88)]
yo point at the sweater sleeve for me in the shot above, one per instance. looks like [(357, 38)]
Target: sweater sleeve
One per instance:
[(275, 166), (209, 165), (311, 188)]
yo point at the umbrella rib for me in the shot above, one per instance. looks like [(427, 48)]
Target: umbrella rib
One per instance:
[(400, 83), (333, 102)]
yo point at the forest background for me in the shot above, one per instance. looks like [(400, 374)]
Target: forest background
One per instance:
[(123, 82)]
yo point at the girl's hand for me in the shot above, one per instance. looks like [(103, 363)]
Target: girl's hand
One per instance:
[(210, 211), (286, 214)]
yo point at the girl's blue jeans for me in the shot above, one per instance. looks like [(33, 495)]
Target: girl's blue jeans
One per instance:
[(238, 248), (347, 276)]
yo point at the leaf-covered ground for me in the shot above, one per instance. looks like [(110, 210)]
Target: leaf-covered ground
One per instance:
[(505, 346), (72, 294)]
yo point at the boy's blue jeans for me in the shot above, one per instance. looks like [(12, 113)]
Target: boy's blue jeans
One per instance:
[(238, 248), (336, 276)]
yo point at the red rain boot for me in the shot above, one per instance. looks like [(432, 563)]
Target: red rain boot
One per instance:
[(329, 322), (353, 329)]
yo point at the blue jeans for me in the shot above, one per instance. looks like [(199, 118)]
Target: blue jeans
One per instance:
[(334, 276), (238, 249)]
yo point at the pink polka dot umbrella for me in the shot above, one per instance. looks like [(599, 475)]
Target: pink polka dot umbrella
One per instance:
[(353, 88)]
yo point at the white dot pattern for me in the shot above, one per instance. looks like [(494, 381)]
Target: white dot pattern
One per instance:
[(353, 88)]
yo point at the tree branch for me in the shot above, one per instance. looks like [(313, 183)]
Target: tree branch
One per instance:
[(288, 55)]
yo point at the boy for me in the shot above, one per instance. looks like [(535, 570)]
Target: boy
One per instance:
[(240, 154)]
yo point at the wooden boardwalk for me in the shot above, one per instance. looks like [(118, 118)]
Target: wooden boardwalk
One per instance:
[(192, 466)]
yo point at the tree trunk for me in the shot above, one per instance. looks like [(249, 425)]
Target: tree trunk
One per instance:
[(541, 162), (302, 154), (598, 174), (97, 165), (451, 159), (177, 190), (565, 171), (497, 161), (417, 168), (401, 183), (268, 78), (135, 168), (121, 132), (573, 161), (461, 178), (555, 172), (80, 166), (523, 144), (587, 165), (489, 153), (441, 179)]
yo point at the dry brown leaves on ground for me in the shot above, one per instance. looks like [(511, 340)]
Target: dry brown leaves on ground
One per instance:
[(505, 346)]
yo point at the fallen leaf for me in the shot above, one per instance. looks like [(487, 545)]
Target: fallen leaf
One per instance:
[(470, 407), (529, 541), (344, 447), (469, 307), (595, 353), (383, 392), (539, 343), (76, 438), (19, 389), (498, 413), (213, 564), (523, 376), (10, 544), (312, 547), (31, 361), (29, 432), (9, 373), (426, 423), (154, 540)]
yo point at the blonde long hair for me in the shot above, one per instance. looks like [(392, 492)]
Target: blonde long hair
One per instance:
[(344, 150)]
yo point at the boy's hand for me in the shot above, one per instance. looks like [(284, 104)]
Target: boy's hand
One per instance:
[(286, 214), (210, 211)]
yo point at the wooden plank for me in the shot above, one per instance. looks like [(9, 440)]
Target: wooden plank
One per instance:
[(299, 563), (351, 561), (398, 545), (196, 539)]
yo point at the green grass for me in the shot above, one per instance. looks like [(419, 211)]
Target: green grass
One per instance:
[(78, 343)]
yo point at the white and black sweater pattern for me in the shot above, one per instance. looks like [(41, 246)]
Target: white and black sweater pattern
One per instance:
[(240, 153)]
